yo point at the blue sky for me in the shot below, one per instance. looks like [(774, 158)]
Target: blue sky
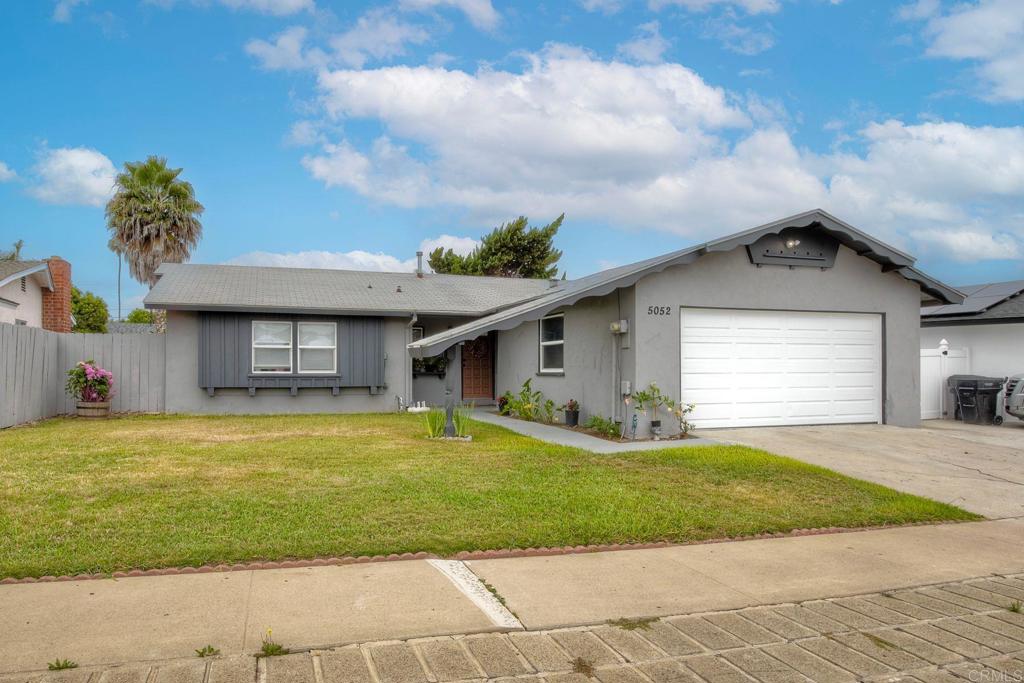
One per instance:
[(351, 134)]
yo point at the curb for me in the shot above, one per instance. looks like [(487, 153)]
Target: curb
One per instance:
[(496, 554)]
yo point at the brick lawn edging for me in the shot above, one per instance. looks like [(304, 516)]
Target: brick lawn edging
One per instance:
[(500, 553)]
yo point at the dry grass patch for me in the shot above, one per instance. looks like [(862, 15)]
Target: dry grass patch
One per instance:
[(155, 491)]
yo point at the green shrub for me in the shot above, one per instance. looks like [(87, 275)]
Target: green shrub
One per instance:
[(89, 311), (435, 423), (140, 316), (603, 425), (527, 404), (461, 420)]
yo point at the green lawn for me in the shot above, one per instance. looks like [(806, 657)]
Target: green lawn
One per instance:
[(155, 491)]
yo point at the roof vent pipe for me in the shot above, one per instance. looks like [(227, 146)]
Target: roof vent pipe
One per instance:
[(419, 264)]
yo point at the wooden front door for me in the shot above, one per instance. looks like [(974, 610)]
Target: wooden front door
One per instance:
[(477, 369)]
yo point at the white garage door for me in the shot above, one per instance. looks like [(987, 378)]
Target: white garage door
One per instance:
[(758, 368)]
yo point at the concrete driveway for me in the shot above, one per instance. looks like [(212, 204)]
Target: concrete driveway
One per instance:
[(977, 467)]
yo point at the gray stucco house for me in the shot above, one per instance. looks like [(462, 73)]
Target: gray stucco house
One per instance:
[(805, 320)]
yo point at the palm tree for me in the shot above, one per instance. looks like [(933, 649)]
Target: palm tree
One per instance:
[(14, 254), (153, 218)]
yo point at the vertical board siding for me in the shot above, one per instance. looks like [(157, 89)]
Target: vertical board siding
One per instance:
[(225, 352), (34, 364)]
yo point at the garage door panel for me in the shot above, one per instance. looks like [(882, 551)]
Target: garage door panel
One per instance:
[(749, 368)]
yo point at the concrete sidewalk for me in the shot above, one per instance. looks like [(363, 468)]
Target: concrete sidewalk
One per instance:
[(566, 437), (163, 617), (944, 633)]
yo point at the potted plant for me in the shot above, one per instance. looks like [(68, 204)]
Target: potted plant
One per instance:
[(572, 413), (653, 398), (91, 387)]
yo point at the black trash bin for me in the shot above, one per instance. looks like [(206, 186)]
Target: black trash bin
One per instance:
[(974, 398)]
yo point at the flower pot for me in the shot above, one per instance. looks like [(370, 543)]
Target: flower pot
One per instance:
[(93, 409), (572, 418), (656, 428)]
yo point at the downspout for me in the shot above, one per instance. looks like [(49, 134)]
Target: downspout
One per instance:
[(408, 360), (615, 377)]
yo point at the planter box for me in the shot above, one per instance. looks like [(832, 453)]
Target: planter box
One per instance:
[(572, 418), (93, 410)]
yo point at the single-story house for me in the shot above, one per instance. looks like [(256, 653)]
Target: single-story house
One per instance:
[(805, 320), (36, 293), (989, 324)]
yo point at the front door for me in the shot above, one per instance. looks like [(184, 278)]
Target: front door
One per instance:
[(477, 370)]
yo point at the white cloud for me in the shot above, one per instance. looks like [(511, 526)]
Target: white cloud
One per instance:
[(603, 6), (749, 6), (481, 13), (579, 126), (272, 7), (354, 260), (63, 9), (7, 173), (970, 245), (73, 175), (376, 35), (277, 7), (655, 147), (736, 37), (304, 134), (460, 245), (989, 33), (647, 46), (921, 9), (286, 51)]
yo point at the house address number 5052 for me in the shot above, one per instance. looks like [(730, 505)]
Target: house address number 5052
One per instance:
[(659, 310)]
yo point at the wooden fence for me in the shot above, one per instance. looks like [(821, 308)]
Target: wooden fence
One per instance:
[(34, 365)]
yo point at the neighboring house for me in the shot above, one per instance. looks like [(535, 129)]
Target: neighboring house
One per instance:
[(36, 293), (989, 324), (121, 327), (805, 320)]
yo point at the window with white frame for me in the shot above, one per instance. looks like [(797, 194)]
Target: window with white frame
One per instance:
[(271, 347), (318, 348), (552, 343)]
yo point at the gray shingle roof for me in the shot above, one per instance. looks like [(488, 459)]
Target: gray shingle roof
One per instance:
[(121, 327), (217, 287), (9, 269), (599, 284), (991, 301)]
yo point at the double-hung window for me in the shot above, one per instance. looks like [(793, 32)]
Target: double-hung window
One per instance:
[(271, 347), (318, 348), (552, 343)]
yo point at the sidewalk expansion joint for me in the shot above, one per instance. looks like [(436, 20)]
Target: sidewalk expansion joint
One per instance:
[(470, 585)]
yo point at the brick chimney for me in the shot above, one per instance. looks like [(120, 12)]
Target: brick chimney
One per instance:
[(57, 304)]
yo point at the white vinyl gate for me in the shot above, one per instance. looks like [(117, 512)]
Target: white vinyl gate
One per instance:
[(745, 368), (936, 366)]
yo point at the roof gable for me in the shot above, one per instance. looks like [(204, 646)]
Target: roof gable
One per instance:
[(12, 270), (604, 282)]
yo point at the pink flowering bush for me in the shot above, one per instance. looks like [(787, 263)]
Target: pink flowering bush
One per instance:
[(89, 382)]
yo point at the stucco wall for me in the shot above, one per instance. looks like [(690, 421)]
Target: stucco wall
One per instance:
[(30, 302), (185, 396), (588, 356), (431, 388), (995, 350), (728, 280)]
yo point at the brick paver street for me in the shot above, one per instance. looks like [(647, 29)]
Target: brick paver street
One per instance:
[(969, 630)]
